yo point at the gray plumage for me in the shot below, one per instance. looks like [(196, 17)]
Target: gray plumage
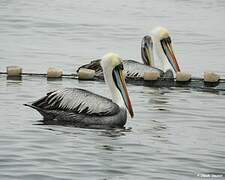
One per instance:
[(80, 108), (132, 68), (135, 69)]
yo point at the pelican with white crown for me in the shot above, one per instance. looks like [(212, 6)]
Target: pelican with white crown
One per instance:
[(157, 55), (78, 107)]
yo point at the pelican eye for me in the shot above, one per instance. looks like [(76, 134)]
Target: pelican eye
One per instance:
[(146, 42), (168, 40), (148, 38), (120, 66)]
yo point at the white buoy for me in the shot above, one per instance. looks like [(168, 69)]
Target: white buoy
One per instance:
[(151, 76), (211, 77), (54, 72), (14, 71), (183, 77), (86, 74)]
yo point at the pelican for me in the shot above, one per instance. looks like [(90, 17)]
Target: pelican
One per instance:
[(157, 51), (82, 108), (157, 55), (133, 69)]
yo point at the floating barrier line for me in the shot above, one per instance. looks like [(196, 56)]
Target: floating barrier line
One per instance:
[(210, 82), (97, 78), (41, 74)]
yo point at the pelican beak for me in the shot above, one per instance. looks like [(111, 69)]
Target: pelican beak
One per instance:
[(168, 50), (119, 80), (146, 50)]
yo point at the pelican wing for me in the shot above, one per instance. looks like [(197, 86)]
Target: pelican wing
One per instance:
[(136, 69), (133, 68), (94, 65), (78, 101)]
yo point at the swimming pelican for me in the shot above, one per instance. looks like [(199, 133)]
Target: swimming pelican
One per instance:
[(133, 69), (82, 108), (157, 55), (157, 51)]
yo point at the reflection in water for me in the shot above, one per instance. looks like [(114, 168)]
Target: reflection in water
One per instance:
[(116, 132), (14, 78), (14, 82), (54, 79), (108, 148), (159, 99), (158, 126)]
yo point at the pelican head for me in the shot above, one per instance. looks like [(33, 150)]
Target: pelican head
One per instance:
[(147, 50), (163, 48), (112, 66)]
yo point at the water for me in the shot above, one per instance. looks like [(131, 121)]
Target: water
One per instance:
[(176, 133)]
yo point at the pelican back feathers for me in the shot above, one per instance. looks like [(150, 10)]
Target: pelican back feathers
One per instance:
[(77, 101)]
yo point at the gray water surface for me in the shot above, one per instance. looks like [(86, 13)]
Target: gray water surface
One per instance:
[(176, 133)]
